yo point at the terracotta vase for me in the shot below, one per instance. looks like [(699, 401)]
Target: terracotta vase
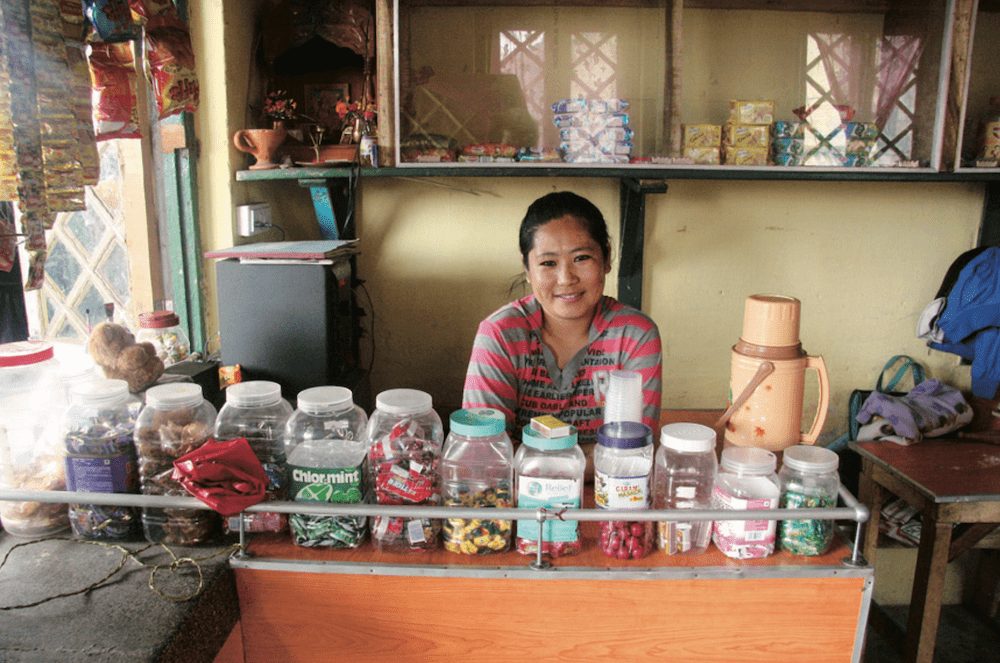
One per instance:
[(263, 144)]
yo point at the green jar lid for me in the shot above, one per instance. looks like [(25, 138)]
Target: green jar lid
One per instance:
[(535, 440), (478, 422)]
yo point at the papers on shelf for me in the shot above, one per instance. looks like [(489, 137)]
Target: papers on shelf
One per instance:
[(325, 251)]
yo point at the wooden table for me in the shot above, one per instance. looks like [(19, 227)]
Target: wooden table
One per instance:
[(955, 484)]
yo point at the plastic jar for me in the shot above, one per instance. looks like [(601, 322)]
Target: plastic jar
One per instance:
[(477, 470), (623, 472), (404, 439), (32, 402), (325, 450), (256, 411), (683, 478), (746, 481), (163, 329), (175, 421), (808, 480), (549, 473), (100, 457)]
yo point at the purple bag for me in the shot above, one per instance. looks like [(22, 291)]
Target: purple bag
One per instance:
[(930, 409)]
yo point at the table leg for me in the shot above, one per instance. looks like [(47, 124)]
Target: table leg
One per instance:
[(873, 496), (928, 584)]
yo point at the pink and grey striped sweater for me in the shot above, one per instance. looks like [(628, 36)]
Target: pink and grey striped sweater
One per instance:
[(513, 371)]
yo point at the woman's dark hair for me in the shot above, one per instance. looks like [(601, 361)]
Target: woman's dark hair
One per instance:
[(555, 206)]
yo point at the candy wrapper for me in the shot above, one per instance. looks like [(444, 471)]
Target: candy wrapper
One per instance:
[(36, 271), (224, 475), (171, 67)]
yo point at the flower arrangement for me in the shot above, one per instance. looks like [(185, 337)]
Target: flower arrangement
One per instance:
[(348, 112), (279, 106)]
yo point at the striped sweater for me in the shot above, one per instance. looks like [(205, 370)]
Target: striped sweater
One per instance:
[(513, 371)]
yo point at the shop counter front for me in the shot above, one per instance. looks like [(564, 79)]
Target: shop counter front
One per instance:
[(309, 604)]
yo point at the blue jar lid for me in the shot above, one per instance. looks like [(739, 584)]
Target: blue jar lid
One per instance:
[(536, 440), (478, 422), (624, 435)]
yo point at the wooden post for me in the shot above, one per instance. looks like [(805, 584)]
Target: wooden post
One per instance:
[(384, 83), (672, 79), (958, 78)]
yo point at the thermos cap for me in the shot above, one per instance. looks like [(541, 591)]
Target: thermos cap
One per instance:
[(771, 320)]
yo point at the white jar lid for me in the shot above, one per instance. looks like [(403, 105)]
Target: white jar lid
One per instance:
[(805, 458), (317, 400), (174, 396), (688, 437), (100, 392), (404, 402), (256, 393), (749, 460)]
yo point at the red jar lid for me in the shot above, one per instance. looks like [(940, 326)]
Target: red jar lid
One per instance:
[(158, 319), (25, 353)]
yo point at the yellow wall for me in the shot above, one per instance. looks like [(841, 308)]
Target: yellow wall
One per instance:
[(864, 258)]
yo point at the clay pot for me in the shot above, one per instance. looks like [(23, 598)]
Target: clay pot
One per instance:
[(261, 143)]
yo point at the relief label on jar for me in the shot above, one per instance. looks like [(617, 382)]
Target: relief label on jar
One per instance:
[(536, 493)]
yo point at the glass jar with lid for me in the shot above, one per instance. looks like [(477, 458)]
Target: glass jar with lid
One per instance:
[(808, 480), (477, 470), (100, 457), (623, 473), (683, 478), (404, 439), (326, 452), (32, 402), (256, 411), (549, 473), (175, 421), (745, 481), (163, 329)]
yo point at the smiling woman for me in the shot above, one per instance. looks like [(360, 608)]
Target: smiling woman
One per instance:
[(538, 355)]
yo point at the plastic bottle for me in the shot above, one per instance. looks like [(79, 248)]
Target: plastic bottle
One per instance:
[(32, 403), (549, 473), (404, 440), (175, 421), (623, 470), (256, 411), (746, 481), (100, 457), (163, 329), (808, 480), (683, 479), (326, 459), (477, 470)]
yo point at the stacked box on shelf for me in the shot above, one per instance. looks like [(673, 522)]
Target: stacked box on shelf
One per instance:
[(746, 137), (832, 138), (488, 153), (788, 143), (703, 143), (593, 132)]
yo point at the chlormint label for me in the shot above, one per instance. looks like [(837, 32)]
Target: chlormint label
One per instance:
[(343, 485)]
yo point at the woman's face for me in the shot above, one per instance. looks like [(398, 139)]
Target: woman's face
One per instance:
[(566, 269)]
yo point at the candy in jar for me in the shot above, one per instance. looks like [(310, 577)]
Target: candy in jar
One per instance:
[(163, 329), (256, 411), (404, 438), (326, 452), (623, 470), (549, 473), (809, 480), (100, 457), (477, 470), (746, 481)]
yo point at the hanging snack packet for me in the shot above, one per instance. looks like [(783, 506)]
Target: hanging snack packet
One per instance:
[(156, 14), (112, 20), (112, 75), (170, 59)]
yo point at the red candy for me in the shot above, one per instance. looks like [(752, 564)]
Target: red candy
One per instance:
[(626, 540)]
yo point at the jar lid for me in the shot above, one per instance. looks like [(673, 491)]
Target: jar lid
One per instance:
[(688, 437), (24, 353), (158, 319), (536, 441), (624, 435), (174, 396), (805, 458), (100, 392), (749, 460), (404, 402), (478, 422), (317, 400), (256, 393)]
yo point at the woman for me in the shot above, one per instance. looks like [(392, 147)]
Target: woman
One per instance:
[(538, 355)]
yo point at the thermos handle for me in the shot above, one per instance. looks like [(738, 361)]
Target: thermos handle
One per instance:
[(601, 379), (817, 364)]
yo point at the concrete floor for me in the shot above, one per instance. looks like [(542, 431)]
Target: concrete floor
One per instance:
[(963, 637)]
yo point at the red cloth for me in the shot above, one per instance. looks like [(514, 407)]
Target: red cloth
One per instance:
[(224, 475)]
